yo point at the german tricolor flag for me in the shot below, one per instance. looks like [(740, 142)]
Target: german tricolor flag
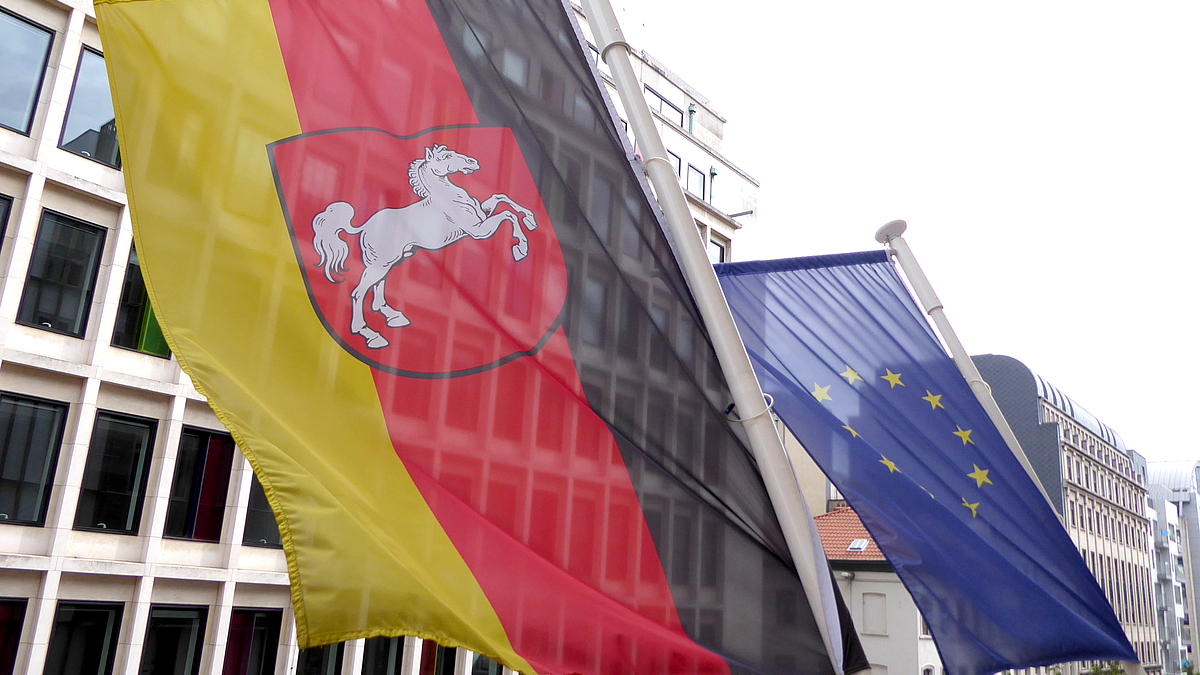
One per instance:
[(403, 251)]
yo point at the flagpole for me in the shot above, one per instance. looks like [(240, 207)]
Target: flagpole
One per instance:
[(890, 235), (765, 443)]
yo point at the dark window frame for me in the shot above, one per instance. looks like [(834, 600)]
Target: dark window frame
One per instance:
[(6, 203), (10, 640), (223, 467), (114, 632), (703, 182), (663, 101), (272, 630), (62, 140), (52, 467), (251, 509), (202, 610), (138, 503), (41, 78), (145, 310), (89, 294)]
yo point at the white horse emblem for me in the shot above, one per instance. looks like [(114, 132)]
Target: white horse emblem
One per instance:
[(444, 214)]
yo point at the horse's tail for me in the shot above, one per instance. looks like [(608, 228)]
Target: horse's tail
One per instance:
[(333, 250)]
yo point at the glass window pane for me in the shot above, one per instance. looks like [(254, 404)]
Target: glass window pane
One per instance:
[(326, 660), (716, 251), (253, 642), (485, 666), (91, 127), (12, 617), (695, 181), (114, 477), (5, 209), (62, 275), (383, 656), (595, 308), (136, 326), (24, 48), (261, 528), (174, 640), (30, 438), (84, 639), (200, 485), (436, 659)]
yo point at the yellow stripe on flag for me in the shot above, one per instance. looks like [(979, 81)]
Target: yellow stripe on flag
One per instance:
[(200, 89)]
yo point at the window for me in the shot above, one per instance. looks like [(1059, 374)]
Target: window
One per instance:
[(664, 107), (595, 310), (12, 616), (925, 628), (482, 665), (261, 528), (515, 67), (91, 128), (200, 486), (675, 162), (324, 660), (84, 638), (24, 51), (437, 660), (5, 204), (695, 181), (62, 275), (136, 326), (174, 640), (717, 251), (383, 656), (114, 476), (253, 642), (30, 437)]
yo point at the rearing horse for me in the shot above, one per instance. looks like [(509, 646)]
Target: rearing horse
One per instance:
[(444, 214)]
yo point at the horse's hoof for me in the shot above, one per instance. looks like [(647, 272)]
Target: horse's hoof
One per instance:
[(520, 250), (398, 321), (530, 223), (377, 342)]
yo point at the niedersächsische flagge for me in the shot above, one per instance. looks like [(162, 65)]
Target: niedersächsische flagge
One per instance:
[(861, 380), (403, 251)]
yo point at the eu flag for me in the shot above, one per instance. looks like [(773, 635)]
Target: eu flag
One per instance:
[(863, 382)]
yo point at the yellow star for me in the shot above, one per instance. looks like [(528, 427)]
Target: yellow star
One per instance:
[(851, 376), (928, 492), (935, 400), (892, 378), (974, 507), (852, 432), (890, 465), (822, 393), (964, 435), (980, 476)]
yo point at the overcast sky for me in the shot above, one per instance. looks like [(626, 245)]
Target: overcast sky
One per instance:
[(1046, 156)]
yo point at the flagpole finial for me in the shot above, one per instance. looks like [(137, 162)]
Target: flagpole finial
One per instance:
[(890, 231)]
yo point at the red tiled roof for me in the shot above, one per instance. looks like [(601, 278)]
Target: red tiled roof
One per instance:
[(838, 529)]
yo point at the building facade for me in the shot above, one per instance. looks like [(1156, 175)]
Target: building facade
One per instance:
[(1178, 483), (1171, 565), (133, 535), (1099, 487)]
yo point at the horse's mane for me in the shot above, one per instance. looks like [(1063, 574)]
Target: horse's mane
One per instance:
[(414, 177)]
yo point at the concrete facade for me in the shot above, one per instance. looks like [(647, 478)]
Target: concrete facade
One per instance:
[(1177, 483)]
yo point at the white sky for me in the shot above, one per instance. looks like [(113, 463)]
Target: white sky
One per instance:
[(1046, 156)]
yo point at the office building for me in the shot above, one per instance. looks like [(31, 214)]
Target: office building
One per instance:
[(1176, 482), (1097, 484)]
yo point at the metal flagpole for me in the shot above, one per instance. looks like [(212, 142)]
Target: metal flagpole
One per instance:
[(765, 443), (890, 235)]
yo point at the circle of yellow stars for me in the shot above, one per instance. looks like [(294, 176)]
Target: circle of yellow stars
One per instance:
[(979, 475)]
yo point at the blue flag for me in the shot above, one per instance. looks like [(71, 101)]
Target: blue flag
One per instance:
[(861, 380)]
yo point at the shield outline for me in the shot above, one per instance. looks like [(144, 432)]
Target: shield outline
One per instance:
[(372, 363)]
